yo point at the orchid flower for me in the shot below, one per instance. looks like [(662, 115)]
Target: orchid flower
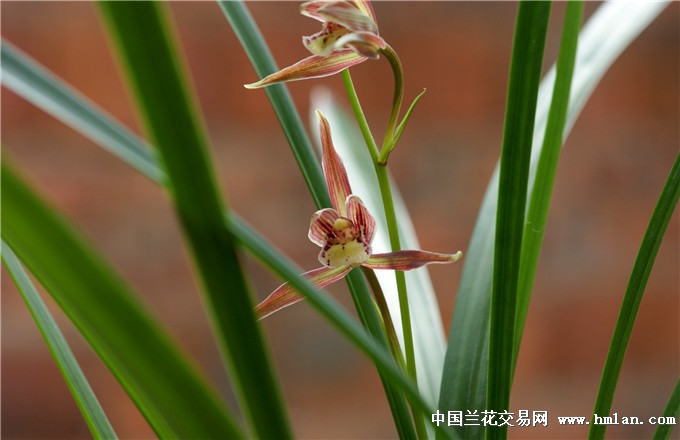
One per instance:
[(344, 233), (349, 36)]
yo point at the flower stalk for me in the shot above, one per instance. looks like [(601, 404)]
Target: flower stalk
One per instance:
[(392, 227), (388, 324), (397, 99)]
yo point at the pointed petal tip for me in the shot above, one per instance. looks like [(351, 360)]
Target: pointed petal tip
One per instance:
[(280, 298)]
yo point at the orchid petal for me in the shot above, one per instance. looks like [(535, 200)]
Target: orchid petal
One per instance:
[(361, 217), (348, 15), (311, 9), (285, 295), (410, 259), (333, 169), (312, 67), (321, 225), (366, 7), (364, 43)]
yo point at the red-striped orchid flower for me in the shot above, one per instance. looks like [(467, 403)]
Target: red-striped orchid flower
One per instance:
[(349, 36), (344, 233)]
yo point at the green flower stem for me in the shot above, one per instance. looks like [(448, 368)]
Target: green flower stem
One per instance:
[(395, 242), (389, 140), (381, 302), (359, 114)]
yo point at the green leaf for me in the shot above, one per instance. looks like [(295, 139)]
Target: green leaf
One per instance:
[(132, 345), (145, 42), (464, 379), (38, 86), (87, 402), (664, 431), (633, 297), (525, 74), (539, 203)]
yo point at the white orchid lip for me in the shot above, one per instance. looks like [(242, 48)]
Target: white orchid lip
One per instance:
[(353, 253), (344, 233)]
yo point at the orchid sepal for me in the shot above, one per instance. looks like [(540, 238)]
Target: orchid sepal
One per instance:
[(286, 295), (409, 259), (315, 66), (333, 169)]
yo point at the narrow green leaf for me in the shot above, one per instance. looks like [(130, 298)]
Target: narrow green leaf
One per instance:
[(38, 86), (633, 297), (463, 384), (144, 39), (663, 431), (87, 402), (525, 74), (539, 203), (132, 345)]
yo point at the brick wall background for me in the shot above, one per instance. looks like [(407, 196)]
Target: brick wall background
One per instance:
[(611, 172)]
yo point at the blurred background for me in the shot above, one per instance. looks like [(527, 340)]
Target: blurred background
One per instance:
[(611, 173)]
